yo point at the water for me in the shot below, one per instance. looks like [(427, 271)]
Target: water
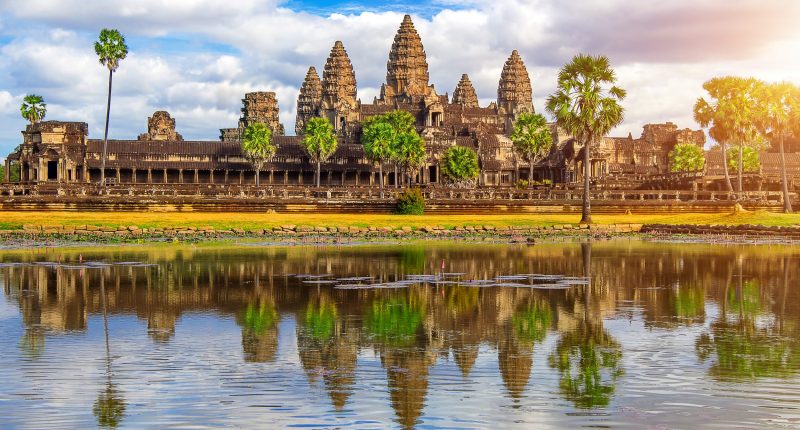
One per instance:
[(418, 335)]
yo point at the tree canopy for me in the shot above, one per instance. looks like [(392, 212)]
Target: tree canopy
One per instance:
[(532, 139), (751, 161), (111, 48), (319, 141), (33, 108), (686, 157), (460, 164)]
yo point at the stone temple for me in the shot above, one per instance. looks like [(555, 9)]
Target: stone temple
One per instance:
[(62, 151)]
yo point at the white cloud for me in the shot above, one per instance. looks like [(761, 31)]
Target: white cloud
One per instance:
[(197, 58)]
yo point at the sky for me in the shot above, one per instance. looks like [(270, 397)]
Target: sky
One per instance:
[(197, 58)]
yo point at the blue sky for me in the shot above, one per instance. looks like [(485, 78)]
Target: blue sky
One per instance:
[(197, 58)]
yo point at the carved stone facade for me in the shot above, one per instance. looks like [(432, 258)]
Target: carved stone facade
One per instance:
[(514, 94), (464, 93), (160, 126)]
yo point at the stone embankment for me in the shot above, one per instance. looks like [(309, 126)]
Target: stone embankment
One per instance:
[(745, 230), (288, 232)]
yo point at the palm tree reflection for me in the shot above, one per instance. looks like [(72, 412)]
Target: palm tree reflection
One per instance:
[(109, 408)]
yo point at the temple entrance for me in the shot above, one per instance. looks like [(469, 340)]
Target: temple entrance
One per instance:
[(52, 170)]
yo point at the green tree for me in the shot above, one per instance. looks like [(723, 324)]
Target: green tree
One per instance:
[(110, 49), (731, 116), (257, 146), (378, 139), (33, 108), (410, 152), (460, 164), (778, 107), (586, 104), (532, 139), (749, 159), (319, 141), (686, 157)]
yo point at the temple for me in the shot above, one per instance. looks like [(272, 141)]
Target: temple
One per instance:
[(62, 152)]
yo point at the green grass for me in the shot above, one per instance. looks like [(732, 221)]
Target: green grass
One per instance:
[(15, 219)]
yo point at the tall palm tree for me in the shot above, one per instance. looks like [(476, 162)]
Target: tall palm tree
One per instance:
[(586, 104), (257, 146), (532, 139), (378, 138), (33, 108), (110, 49), (410, 152), (730, 113), (778, 105), (319, 141)]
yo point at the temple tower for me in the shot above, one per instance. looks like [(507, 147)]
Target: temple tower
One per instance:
[(514, 94), (309, 100), (464, 94), (261, 106), (161, 126), (407, 68), (339, 89)]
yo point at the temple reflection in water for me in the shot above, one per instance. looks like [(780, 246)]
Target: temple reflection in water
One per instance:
[(740, 298)]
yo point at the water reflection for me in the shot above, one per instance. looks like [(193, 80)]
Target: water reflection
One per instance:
[(739, 300)]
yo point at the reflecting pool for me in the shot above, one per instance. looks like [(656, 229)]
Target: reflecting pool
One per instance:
[(616, 334)]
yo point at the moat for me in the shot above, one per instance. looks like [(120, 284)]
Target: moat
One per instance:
[(622, 334)]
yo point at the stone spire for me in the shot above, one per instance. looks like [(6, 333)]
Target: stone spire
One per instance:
[(465, 93), (309, 100), (338, 79), (514, 94), (407, 68)]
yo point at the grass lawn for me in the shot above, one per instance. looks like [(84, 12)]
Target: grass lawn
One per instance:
[(223, 220)]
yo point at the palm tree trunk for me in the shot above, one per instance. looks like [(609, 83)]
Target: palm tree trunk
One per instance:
[(318, 167), (723, 146), (105, 136), (380, 177), (787, 204), (530, 173), (586, 211), (741, 170)]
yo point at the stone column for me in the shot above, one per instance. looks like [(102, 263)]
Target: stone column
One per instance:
[(271, 175), (8, 171), (226, 176), (211, 176), (166, 178), (241, 177), (133, 176), (118, 175), (149, 176), (196, 176), (180, 176)]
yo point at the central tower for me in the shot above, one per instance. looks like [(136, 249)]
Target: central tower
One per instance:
[(407, 68)]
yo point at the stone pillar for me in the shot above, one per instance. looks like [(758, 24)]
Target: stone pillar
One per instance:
[(226, 176), (271, 175), (358, 174), (118, 175), (166, 178), (196, 176), (241, 177), (149, 176), (300, 177), (8, 171), (285, 177), (211, 176), (180, 176), (344, 175), (133, 176)]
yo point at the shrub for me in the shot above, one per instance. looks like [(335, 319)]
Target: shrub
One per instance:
[(521, 184), (411, 202)]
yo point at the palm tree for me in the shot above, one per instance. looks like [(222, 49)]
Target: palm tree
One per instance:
[(378, 138), (33, 108), (319, 141), (585, 109), (730, 114), (778, 105), (686, 157), (532, 139), (257, 146), (110, 49), (410, 152)]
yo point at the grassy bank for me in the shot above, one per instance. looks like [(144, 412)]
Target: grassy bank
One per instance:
[(16, 219)]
